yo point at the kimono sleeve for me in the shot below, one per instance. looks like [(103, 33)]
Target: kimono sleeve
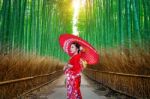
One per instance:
[(77, 64)]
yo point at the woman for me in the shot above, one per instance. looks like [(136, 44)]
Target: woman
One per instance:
[(73, 72)]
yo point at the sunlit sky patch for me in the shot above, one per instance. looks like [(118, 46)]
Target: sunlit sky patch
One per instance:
[(76, 6)]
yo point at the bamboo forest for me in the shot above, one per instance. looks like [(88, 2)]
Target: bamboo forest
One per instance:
[(31, 55)]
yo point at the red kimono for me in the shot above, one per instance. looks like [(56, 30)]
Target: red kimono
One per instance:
[(73, 78)]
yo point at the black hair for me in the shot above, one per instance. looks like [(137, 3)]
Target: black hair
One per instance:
[(77, 46)]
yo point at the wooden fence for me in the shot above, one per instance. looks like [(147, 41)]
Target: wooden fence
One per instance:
[(14, 88), (137, 86)]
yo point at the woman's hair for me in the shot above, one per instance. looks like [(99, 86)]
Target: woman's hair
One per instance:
[(77, 46)]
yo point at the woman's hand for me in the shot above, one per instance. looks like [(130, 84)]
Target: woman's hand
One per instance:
[(67, 66)]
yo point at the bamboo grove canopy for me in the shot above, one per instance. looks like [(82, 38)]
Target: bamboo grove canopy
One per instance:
[(35, 25), (116, 23)]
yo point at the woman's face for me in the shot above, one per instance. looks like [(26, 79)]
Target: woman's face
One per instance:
[(73, 48)]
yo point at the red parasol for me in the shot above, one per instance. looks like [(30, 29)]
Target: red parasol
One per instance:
[(89, 53)]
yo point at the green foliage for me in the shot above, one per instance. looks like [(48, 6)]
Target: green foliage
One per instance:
[(116, 23), (35, 25)]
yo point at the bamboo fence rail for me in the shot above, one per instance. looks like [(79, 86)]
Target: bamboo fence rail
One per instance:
[(26, 78), (130, 84), (14, 88)]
